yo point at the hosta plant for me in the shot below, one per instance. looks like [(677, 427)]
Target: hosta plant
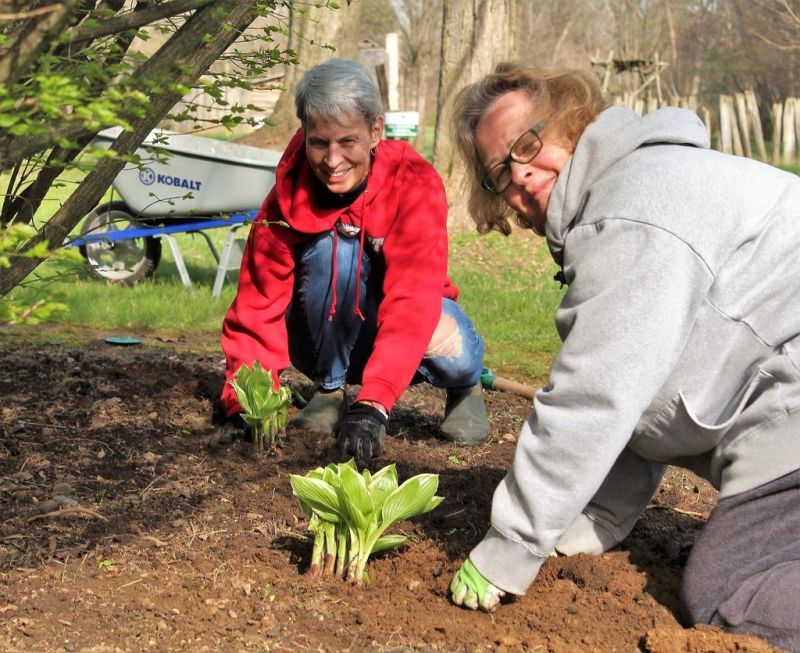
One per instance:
[(349, 513), (265, 409)]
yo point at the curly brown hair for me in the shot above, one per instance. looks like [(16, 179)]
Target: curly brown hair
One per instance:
[(570, 100)]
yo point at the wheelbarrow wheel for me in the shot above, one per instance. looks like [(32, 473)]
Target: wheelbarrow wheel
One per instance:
[(118, 261)]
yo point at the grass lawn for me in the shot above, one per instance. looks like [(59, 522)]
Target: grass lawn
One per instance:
[(506, 288)]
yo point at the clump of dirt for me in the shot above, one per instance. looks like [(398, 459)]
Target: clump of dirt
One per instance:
[(121, 531)]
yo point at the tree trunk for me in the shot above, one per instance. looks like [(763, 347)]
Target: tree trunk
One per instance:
[(186, 56), (311, 31), (476, 35)]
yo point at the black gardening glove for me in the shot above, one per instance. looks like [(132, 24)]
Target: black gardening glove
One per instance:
[(361, 432), (229, 429)]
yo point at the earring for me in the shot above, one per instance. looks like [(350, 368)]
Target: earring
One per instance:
[(374, 150)]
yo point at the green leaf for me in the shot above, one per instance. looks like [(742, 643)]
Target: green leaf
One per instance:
[(412, 498), (242, 395), (355, 486), (387, 474), (350, 463), (316, 473), (383, 483), (8, 119), (331, 475), (318, 495), (354, 498), (313, 518), (388, 542), (352, 501), (433, 503)]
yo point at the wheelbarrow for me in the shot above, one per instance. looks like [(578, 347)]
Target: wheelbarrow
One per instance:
[(184, 184)]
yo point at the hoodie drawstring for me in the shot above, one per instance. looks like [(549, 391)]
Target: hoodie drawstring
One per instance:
[(335, 267), (357, 310), (334, 275)]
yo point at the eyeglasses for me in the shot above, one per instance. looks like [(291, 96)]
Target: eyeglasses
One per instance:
[(524, 150)]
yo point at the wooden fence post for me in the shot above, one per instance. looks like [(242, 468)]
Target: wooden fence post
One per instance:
[(737, 139), (797, 123), (789, 139), (729, 128), (707, 122), (744, 123), (725, 136), (755, 116), (777, 119), (740, 131)]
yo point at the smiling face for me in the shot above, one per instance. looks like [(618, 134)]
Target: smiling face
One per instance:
[(339, 150), (508, 117)]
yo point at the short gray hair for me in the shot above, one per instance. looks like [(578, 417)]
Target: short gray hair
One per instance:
[(337, 88)]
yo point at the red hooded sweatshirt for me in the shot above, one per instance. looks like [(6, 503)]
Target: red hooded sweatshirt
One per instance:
[(402, 211)]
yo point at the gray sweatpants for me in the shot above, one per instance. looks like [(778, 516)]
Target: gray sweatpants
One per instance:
[(743, 573)]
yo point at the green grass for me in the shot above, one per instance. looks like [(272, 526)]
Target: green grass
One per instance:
[(508, 291), (506, 288), (505, 283), (160, 303)]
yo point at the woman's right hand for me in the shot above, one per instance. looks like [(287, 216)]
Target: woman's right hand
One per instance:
[(470, 589)]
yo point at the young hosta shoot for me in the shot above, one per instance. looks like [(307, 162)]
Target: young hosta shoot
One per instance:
[(265, 409), (349, 513)]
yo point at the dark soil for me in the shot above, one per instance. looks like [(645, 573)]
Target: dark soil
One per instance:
[(121, 531)]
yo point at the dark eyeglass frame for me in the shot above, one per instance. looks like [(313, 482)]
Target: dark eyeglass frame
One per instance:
[(511, 158)]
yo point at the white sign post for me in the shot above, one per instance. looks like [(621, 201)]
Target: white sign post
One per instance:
[(401, 124)]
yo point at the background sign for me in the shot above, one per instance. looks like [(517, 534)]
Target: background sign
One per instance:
[(401, 124)]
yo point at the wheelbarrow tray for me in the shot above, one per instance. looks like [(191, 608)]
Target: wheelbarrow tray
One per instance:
[(193, 176)]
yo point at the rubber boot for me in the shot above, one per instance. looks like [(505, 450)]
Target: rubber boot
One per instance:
[(465, 420), (322, 413)]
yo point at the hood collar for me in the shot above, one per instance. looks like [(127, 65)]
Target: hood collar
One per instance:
[(614, 134)]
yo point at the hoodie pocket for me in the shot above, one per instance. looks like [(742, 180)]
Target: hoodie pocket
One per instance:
[(676, 431)]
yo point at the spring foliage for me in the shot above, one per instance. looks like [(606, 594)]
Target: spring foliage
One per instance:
[(12, 240), (349, 513), (69, 69), (265, 408)]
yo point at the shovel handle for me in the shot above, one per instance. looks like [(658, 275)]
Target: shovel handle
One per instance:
[(520, 389)]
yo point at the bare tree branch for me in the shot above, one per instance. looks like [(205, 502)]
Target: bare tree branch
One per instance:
[(135, 19), (32, 13), (30, 40)]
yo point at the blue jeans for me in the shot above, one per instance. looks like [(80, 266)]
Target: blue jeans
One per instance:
[(334, 352)]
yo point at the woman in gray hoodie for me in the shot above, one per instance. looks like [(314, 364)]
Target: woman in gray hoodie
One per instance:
[(680, 337)]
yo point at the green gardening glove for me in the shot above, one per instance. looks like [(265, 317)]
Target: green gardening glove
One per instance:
[(471, 590)]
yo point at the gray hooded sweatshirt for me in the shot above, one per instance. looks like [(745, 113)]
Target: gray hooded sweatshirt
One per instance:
[(680, 331)]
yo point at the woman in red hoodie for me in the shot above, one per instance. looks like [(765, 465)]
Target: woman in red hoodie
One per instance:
[(344, 275)]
